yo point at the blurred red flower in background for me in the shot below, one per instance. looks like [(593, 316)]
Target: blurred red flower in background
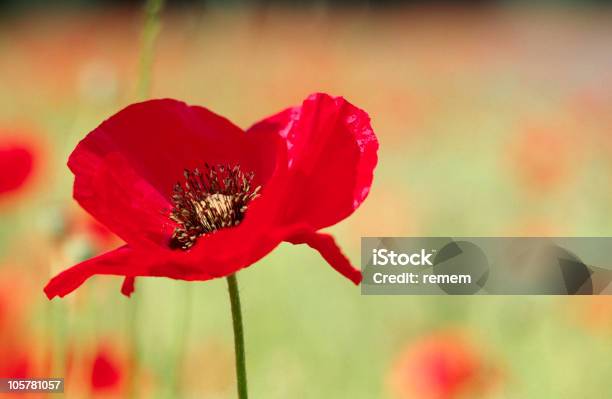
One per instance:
[(16, 163), (108, 371), (544, 157), (444, 365), (15, 360), (21, 355), (103, 369), (175, 182)]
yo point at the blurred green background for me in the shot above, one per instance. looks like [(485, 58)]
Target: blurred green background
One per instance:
[(492, 120)]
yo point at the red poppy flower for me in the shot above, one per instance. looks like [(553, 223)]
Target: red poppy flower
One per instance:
[(442, 366), (16, 162), (15, 361), (107, 373), (195, 197), (22, 357)]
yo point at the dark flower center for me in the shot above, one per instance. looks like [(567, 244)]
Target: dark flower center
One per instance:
[(208, 200)]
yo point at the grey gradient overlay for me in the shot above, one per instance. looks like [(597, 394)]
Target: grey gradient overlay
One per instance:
[(493, 266)]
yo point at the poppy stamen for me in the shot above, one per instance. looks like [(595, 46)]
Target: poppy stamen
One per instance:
[(209, 200)]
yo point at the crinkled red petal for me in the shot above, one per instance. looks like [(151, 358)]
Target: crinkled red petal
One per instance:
[(329, 250), (332, 153), (125, 169)]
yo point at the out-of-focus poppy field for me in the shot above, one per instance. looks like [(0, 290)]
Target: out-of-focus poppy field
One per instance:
[(492, 121)]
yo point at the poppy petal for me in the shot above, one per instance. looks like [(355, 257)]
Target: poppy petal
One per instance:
[(125, 170), (119, 261), (329, 250), (127, 288), (332, 153), (219, 255), (117, 196)]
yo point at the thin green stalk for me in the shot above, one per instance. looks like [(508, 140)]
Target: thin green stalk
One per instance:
[(150, 32), (241, 377)]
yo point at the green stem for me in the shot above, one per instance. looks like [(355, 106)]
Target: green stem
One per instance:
[(150, 31), (241, 378)]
